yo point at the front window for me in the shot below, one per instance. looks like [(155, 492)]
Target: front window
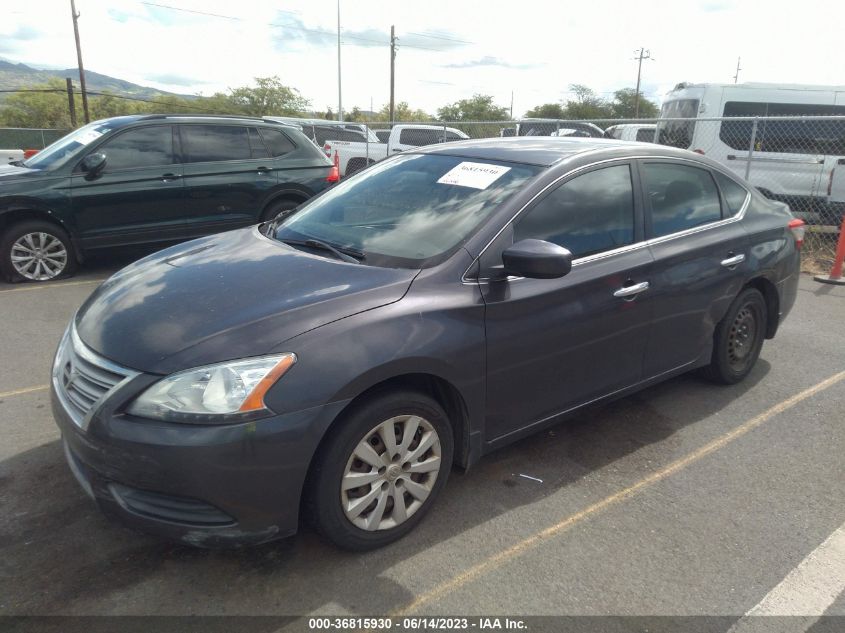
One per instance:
[(59, 152), (140, 147), (677, 133), (411, 211)]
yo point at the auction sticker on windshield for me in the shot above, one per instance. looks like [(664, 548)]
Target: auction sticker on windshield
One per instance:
[(475, 175)]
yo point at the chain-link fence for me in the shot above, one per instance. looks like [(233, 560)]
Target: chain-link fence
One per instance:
[(28, 138), (798, 160)]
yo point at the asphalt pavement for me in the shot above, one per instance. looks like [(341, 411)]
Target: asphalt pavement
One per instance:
[(687, 499)]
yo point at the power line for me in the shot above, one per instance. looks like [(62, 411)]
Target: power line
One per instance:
[(439, 37)]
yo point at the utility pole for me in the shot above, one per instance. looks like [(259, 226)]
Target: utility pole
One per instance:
[(70, 104), (642, 54), (79, 60), (736, 76), (339, 100), (392, 70), (511, 105)]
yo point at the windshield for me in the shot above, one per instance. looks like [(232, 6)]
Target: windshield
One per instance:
[(57, 153), (408, 211), (677, 133)]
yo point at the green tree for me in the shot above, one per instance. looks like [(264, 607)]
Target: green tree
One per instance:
[(268, 97), (623, 105), (478, 108), (403, 112), (39, 109), (586, 105), (547, 111), (108, 105)]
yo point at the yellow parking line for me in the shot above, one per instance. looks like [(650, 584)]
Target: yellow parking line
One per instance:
[(62, 284), (502, 557), (20, 392)]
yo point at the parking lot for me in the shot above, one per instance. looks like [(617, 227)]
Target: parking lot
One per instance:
[(686, 499)]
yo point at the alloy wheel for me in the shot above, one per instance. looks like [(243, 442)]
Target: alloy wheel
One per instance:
[(39, 256)]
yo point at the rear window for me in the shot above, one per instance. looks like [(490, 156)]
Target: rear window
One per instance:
[(410, 136), (734, 193), (213, 143), (645, 135), (677, 133), (277, 142), (681, 197)]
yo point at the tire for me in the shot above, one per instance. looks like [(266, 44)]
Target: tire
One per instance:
[(36, 251), (275, 209), (355, 165), (362, 525), (738, 339)]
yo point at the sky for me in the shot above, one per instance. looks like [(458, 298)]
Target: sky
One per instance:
[(447, 50)]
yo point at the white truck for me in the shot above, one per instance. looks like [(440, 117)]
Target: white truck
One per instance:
[(836, 192), (10, 155), (353, 156)]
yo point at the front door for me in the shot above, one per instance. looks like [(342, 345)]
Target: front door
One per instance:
[(553, 344), (138, 197)]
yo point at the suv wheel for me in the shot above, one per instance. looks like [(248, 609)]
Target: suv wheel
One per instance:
[(36, 251), (282, 208), (381, 470)]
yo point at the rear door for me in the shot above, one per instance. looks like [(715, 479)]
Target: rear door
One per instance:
[(228, 175), (700, 255), (138, 197), (553, 344)]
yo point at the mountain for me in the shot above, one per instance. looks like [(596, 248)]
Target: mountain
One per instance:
[(14, 76)]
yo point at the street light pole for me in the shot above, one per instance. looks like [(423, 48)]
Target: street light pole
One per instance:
[(339, 99), (79, 61), (643, 54)]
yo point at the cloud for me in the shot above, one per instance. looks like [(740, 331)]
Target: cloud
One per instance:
[(24, 32), (487, 60), (714, 6), (173, 79)]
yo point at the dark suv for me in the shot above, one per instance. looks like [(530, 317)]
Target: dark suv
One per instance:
[(153, 178)]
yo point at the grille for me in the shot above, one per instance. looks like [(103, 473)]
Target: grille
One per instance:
[(82, 378)]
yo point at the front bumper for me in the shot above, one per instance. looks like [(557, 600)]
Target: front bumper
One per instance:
[(207, 486)]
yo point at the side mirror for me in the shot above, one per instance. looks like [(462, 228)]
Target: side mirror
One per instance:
[(537, 259), (93, 165)]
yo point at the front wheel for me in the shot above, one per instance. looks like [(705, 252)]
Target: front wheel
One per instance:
[(381, 471), (36, 251), (738, 338)]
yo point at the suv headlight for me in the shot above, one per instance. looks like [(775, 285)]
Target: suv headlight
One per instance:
[(225, 392)]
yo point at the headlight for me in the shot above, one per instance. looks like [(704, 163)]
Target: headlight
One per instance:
[(225, 392)]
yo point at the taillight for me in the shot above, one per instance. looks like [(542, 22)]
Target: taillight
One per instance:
[(699, 151), (327, 150), (798, 229), (29, 153), (334, 174)]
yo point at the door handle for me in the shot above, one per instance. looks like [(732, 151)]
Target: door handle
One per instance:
[(167, 177), (730, 262), (631, 291)]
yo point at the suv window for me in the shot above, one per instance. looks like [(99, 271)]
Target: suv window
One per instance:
[(588, 214), (140, 147), (207, 143), (734, 193), (277, 141), (257, 145), (410, 136), (645, 135), (682, 197)]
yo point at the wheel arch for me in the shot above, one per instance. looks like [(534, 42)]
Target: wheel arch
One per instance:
[(22, 211), (770, 293)]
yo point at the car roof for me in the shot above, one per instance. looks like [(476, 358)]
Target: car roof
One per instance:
[(547, 150), (121, 121)]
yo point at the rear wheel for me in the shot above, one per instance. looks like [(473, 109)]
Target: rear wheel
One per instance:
[(381, 471), (738, 338), (36, 251)]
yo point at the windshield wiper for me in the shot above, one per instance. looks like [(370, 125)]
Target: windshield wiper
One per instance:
[(351, 255)]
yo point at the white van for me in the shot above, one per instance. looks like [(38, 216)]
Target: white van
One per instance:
[(791, 160)]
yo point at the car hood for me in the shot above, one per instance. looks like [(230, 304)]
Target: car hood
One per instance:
[(13, 172), (228, 296)]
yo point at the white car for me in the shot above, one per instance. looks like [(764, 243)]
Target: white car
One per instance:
[(643, 132), (10, 155)]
